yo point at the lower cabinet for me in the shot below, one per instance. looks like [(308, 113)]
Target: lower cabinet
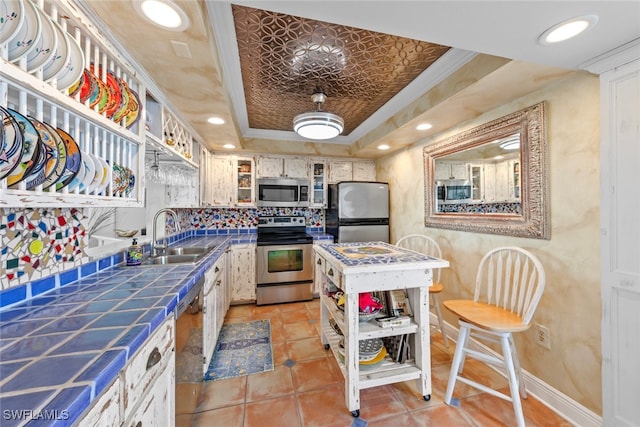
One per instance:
[(243, 273), (143, 394), (213, 308)]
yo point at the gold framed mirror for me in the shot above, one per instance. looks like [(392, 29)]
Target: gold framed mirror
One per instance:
[(492, 178)]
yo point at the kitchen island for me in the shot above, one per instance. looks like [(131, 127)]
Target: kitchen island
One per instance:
[(357, 268)]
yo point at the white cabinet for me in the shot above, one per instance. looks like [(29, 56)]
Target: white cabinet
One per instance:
[(489, 182), (229, 181), (476, 172), (220, 182), (276, 167), (244, 170), (148, 380), (213, 308), (514, 180), (451, 170), (105, 410), (351, 170), (502, 180), (243, 273)]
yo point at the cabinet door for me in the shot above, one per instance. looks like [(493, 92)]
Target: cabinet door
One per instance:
[(243, 273), (477, 182), (364, 171), (221, 181), (158, 406), (502, 182), (319, 183), (459, 170), (296, 167), (340, 171), (105, 411), (245, 182), (270, 167), (209, 326), (489, 182)]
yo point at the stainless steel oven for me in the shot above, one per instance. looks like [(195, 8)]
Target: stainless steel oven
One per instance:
[(284, 262)]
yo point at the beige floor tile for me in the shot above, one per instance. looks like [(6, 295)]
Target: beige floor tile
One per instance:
[(412, 399), (295, 316), (299, 330), (313, 374), (187, 396), (269, 384), (216, 394), (442, 415), (291, 306), (404, 420), (306, 349), (324, 407), (277, 333), (380, 402), (280, 353), (281, 411), (230, 416)]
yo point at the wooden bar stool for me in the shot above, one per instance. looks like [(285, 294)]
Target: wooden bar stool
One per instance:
[(426, 245), (509, 284)]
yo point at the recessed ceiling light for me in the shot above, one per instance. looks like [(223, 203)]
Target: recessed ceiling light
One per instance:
[(568, 29), (215, 120), (424, 126), (163, 13), (229, 146), (383, 147)]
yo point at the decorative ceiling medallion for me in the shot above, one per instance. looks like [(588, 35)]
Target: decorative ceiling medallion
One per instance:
[(284, 58)]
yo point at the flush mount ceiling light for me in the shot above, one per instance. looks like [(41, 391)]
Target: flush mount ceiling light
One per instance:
[(163, 13), (229, 146), (383, 147), (424, 126), (568, 29), (511, 142), (214, 120), (318, 124)]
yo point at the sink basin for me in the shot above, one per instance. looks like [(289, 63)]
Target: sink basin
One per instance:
[(173, 259), (193, 250)]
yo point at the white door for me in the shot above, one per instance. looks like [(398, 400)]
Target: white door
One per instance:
[(620, 245)]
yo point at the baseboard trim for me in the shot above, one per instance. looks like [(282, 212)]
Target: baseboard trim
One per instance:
[(560, 403)]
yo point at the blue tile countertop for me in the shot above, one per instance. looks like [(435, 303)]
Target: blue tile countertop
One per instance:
[(62, 347)]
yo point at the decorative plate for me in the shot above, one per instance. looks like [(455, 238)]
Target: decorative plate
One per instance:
[(115, 95), (89, 86), (72, 166), (37, 173), (77, 86), (60, 58), (30, 149), (74, 67), (62, 157), (134, 108), (118, 178), (89, 171), (131, 181), (106, 176), (77, 180), (123, 109), (25, 39), (11, 18), (10, 144), (52, 157), (45, 45), (99, 174)]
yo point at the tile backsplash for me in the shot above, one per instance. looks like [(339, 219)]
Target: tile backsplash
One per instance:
[(41, 242)]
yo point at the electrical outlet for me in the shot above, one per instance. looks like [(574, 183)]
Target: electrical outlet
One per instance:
[(543, 336)]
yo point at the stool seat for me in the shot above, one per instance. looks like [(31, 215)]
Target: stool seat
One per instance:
[(486, 316), (436, 288)]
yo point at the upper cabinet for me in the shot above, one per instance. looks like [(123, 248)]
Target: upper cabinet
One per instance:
[(227, 181), (319, 183), (77, 115), (351, 170), (245, 194), (289, 167)]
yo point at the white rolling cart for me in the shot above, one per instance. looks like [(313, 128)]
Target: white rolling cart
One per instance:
[(367, 267)]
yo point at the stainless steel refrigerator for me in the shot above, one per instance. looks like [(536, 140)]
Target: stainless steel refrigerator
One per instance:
[(358, 211)]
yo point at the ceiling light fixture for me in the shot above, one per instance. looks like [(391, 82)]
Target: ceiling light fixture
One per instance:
[(383, 147), (229, 146), (568, 29), (163, 13), (215, 120), (318, 124), (511, 142), (424, 126)]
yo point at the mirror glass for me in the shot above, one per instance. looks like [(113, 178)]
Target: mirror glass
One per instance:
[(491, 178)]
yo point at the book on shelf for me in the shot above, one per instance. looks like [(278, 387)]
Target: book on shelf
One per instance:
[(397, 303)]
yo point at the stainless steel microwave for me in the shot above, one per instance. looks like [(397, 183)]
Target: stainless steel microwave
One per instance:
[(453, 191), (283, 192)]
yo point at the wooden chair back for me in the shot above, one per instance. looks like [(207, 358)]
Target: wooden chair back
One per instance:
[(425, 245), (511, 278)]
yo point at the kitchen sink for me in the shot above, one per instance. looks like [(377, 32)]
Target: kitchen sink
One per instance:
[(193, 250), (172, 259)]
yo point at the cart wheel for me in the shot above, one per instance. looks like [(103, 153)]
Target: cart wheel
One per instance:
[(427, 397), (326, 346), (356, 413)]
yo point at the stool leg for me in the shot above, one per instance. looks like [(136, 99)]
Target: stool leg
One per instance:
[(513, 378), (436, 306), (458, 358)]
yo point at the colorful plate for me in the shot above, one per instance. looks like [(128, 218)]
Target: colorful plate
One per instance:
[(89, 171), (45, 46), (106, 176), (115, 95), (12, 12), (30, 149), (62, 157), (72, 71), (25, 39), (60, 58), (123, 108), (10, 144), (133, 109), (52, 157), (77, 180), (73, 163), (131, 181), (37, 173), (77, 86), (99, 173)]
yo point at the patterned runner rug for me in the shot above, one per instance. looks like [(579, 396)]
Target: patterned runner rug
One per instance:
[(242, 349)]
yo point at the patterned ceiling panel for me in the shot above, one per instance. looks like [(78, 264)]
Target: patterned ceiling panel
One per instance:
[(284, 59)]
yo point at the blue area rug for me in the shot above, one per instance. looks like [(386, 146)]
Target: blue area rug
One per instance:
[(242, 349)]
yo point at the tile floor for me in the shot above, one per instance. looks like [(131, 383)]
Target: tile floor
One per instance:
[(311, 392)]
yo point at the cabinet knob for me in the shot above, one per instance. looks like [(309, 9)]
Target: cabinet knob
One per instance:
[(330, 272), (219, 282), (215, 270), (319, 261), (154, 358)]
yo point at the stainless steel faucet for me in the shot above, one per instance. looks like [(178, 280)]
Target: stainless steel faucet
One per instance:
[(160, 248)]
